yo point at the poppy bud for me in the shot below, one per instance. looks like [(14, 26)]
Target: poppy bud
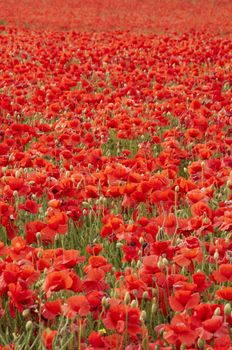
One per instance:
[(154, 308), (105, 302), (145, 343), (38, 235), (165, 262), (216, 255), (25, 313), (177, 188), (145, 295), (217, 311), (160, 264), (227, 309), (143, 316), (134, 303), (153, 290), (201, 343), (29, 326), (127, 298)]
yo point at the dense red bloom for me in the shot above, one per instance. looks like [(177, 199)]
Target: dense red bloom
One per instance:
[(67, 258), (185, 256), (61, 280), (98, 262), (214, 327), (30, 206), (48, 337), (223, 274), (184, 299), (20, 297), (51, 309), (77, 305), (122, 318), (199, 278), (121, 138), (57, 223), (96, 340), (225, 293), (94, 249), (180, 330), (201, 208), (95, 280)]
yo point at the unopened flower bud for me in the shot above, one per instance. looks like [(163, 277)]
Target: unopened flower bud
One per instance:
[(160, 264), (153, 308), (201, 343), (227, 309), (25, 313), (105, 302), (29, 326), (217, 311), (127, 298), (145, 295), (165, 261), (143, 316), (216, 255), (38, 236), (134, 303)]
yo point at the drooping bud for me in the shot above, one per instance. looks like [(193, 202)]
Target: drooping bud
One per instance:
[(127, 298), (227, 309)]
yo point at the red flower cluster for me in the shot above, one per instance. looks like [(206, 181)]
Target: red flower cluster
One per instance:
[(115, 181)]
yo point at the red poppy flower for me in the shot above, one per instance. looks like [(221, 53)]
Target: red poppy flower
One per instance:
[(59, 280), (199, 278), (76, 305), (51, 309), (48, 337), (201, 208), (180, 330), (94, 249), (122, 318), (96, 340), (225, 293), (184, 299), (223, 274)]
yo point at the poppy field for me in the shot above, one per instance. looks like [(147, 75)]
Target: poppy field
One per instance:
[(115, 175)]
